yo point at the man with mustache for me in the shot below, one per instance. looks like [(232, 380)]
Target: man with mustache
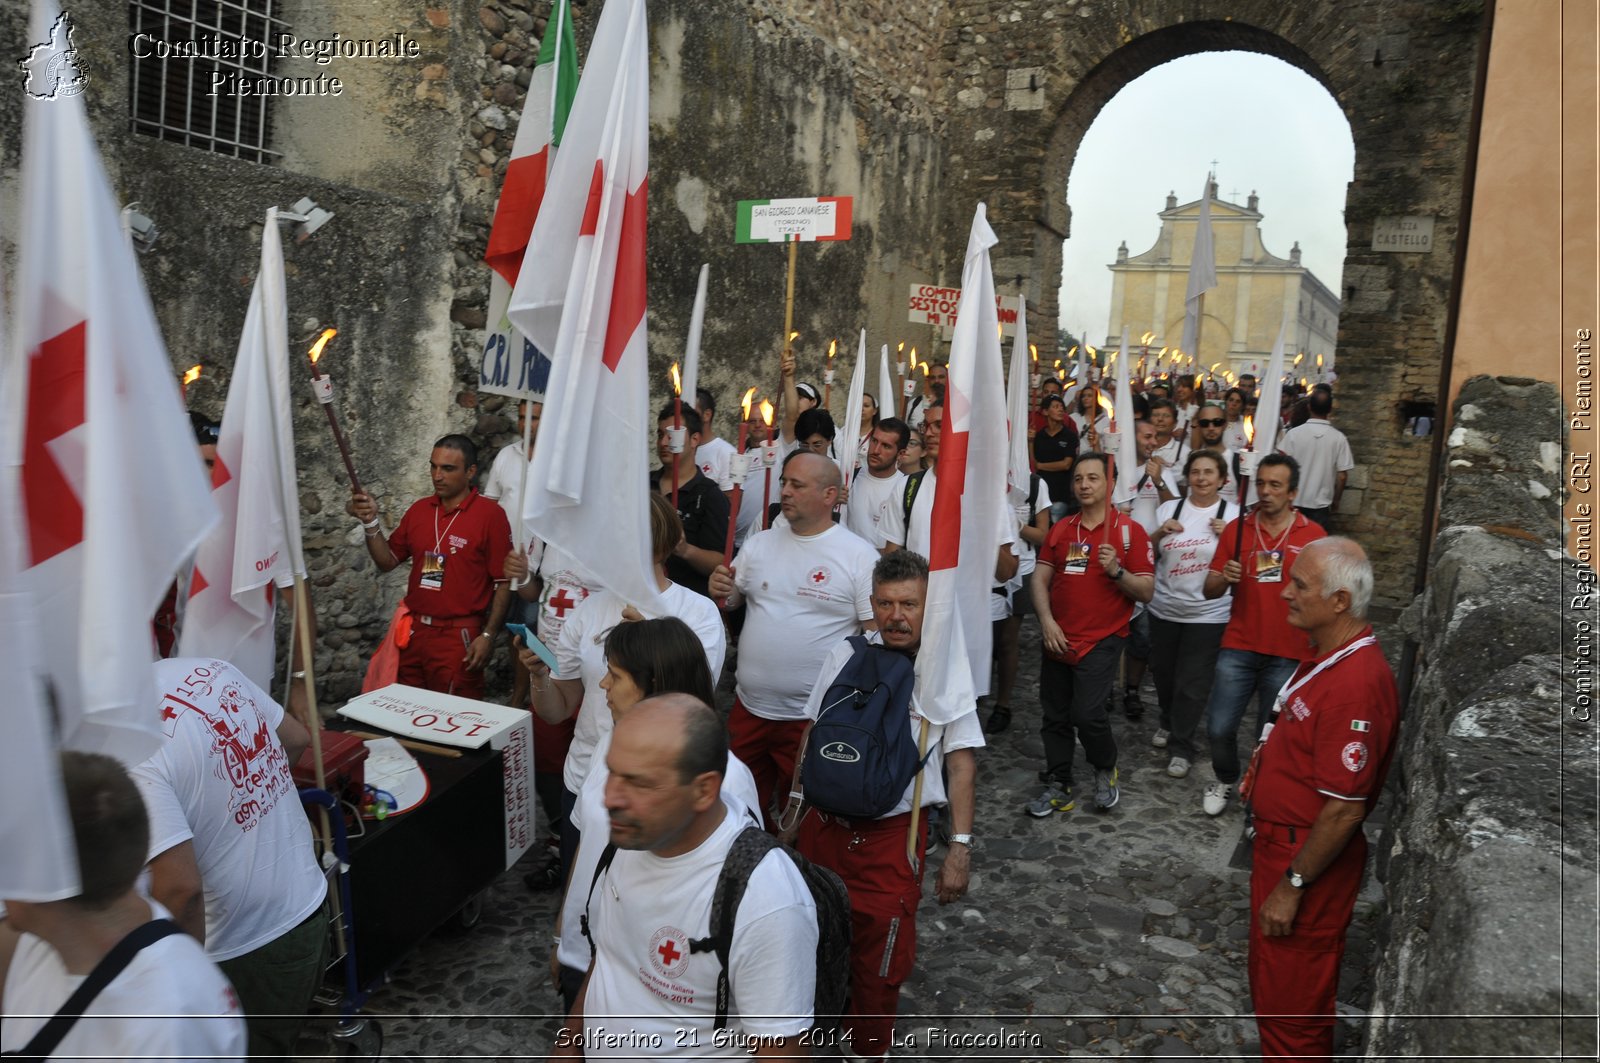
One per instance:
[(870, 855)]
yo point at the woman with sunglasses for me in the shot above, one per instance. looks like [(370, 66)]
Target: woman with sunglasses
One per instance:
[(1185, 628)]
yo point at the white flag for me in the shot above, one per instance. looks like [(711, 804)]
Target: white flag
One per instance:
[(1269, 417), (886, 395), (850, 435), (113, 492), (38, 860), (964, 532), (1202, 277), (1128, 472), (585, 304), (1018, 468), (691, 346), (257, 543)]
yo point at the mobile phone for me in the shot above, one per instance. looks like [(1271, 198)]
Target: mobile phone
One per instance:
[(530, 640)]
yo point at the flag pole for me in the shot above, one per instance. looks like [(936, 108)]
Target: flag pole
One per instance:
[(519, 530), (314, 725)]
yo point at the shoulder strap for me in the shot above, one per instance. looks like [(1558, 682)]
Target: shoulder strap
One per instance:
[(1033, 494), (747, 851), (1181, 500), (913, 485), (600, 868), (50, 1034)]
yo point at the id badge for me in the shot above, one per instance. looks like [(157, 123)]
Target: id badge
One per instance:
[(1077, 562), (1269, 566), (432, 571)]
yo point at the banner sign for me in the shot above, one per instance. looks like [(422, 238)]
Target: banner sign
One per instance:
[(511, 364), (932, 305), (777, 221)]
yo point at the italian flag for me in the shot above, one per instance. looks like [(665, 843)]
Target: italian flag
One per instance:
[(544, 119)]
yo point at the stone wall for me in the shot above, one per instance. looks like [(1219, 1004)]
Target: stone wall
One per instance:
[(1490, 871)]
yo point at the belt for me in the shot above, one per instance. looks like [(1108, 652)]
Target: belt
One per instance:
[(1278, 832), (895, 823), (448, 621)]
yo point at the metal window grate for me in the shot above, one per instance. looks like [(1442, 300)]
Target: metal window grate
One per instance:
[(170, 92)]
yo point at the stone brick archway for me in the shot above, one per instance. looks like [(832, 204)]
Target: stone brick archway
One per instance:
[(1033, 76)]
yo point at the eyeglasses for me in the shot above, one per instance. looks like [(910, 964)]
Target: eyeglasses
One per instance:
[(1210, 422), (913, 443)]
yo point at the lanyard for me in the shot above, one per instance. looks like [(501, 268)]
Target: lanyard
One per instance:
[(1295, 684)]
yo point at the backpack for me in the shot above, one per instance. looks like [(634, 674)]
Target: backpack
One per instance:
[(828, 893), (913, 485), (860, 755)]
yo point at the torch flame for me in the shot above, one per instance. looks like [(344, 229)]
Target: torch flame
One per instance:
[(1250, 429), (766, 412), (793, 336), (1319, 361), (1105, 403), (1058, 361), (1162, 353), (833, 345), (1146, 338), (1033, 349), (322, 341), (899, 346), (749, 397), (913, 361), (1299, 357), (1070, 353), (924, 370), (677, 381), (192, 375)]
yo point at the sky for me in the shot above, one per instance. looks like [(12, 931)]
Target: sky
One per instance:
[(1270, 128)]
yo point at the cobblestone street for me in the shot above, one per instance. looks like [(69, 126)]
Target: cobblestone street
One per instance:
[(1119, 934)]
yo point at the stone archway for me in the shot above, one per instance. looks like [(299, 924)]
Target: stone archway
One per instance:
[(1033, 76)]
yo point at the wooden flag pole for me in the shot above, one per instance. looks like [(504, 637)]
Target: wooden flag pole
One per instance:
[(314, 725)]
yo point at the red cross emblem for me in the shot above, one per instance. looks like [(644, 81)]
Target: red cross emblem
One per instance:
[(819, 576), (669, 953), (168, 713), (55, 407), (561, 601)]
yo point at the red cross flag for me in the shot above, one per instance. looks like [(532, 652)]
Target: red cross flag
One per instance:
[(257, 543), (969, 509), (113, 493), (585, 305)]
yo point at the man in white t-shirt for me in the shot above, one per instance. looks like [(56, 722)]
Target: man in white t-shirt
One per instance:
[(808, 585), (650, 995), (230, 846), (504, 484), (870, 855), (876, 510), (1324, 456), (169, 1002), (715, 454)]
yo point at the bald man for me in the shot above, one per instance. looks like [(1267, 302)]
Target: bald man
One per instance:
[(672, 833), (1317, 772), (808, 584)]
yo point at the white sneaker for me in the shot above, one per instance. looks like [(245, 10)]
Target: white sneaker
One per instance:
[(1216, 799), (1177, 767), (1159, 739)]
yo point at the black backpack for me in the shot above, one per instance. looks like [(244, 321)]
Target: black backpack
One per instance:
[(860, 755), (909, 497), (828, 893)]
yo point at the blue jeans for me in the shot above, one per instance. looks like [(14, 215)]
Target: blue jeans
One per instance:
[(1241, 673)]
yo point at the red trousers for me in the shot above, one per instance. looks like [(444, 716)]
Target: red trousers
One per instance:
[(769, 749), (435, 659), (870, 855), (1294, 980)]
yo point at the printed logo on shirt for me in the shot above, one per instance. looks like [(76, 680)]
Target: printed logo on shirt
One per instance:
[(818, 577), (456, 543), (241, 743), (1354, 756), (1298, 708), (1360, 725), (669, 951)]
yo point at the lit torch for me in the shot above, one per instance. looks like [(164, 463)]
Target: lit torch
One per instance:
[(1033, 352), (827, 376), (769, 458), (675, 441), (738, 466), (1243, 474), (322, 387), (189, 377)]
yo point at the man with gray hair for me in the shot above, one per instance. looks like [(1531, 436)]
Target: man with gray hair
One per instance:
[(1316, 773)]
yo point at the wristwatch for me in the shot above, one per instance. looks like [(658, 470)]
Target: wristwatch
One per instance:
[(961, 839), (1296, 879)]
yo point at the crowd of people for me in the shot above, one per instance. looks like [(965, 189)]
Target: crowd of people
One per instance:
[(1222, 594)]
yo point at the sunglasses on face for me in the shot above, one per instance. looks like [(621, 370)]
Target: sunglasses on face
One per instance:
[(1210, 422)]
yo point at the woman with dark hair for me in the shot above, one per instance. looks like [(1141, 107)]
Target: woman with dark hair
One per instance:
[(1233, 436), (643, 659), (1185, 628)]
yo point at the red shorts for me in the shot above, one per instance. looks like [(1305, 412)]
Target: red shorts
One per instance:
[(769, 749), (435, 659), (884, 893)]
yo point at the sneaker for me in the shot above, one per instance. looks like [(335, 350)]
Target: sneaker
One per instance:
[(1106, 793), (1132, 706), (1054, 799), (1159, 739), (1177, 767), (999, 720), (1216, 799)]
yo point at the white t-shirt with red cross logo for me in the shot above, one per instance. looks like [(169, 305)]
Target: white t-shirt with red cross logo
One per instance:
[(650, 997), (805, 594)]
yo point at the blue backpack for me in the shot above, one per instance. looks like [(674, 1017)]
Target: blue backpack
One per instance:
[(860, 754)]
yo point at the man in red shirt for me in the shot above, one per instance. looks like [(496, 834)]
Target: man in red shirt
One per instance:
[(1320, 768), (1259, 648), (1091, 569), (458, 542)]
